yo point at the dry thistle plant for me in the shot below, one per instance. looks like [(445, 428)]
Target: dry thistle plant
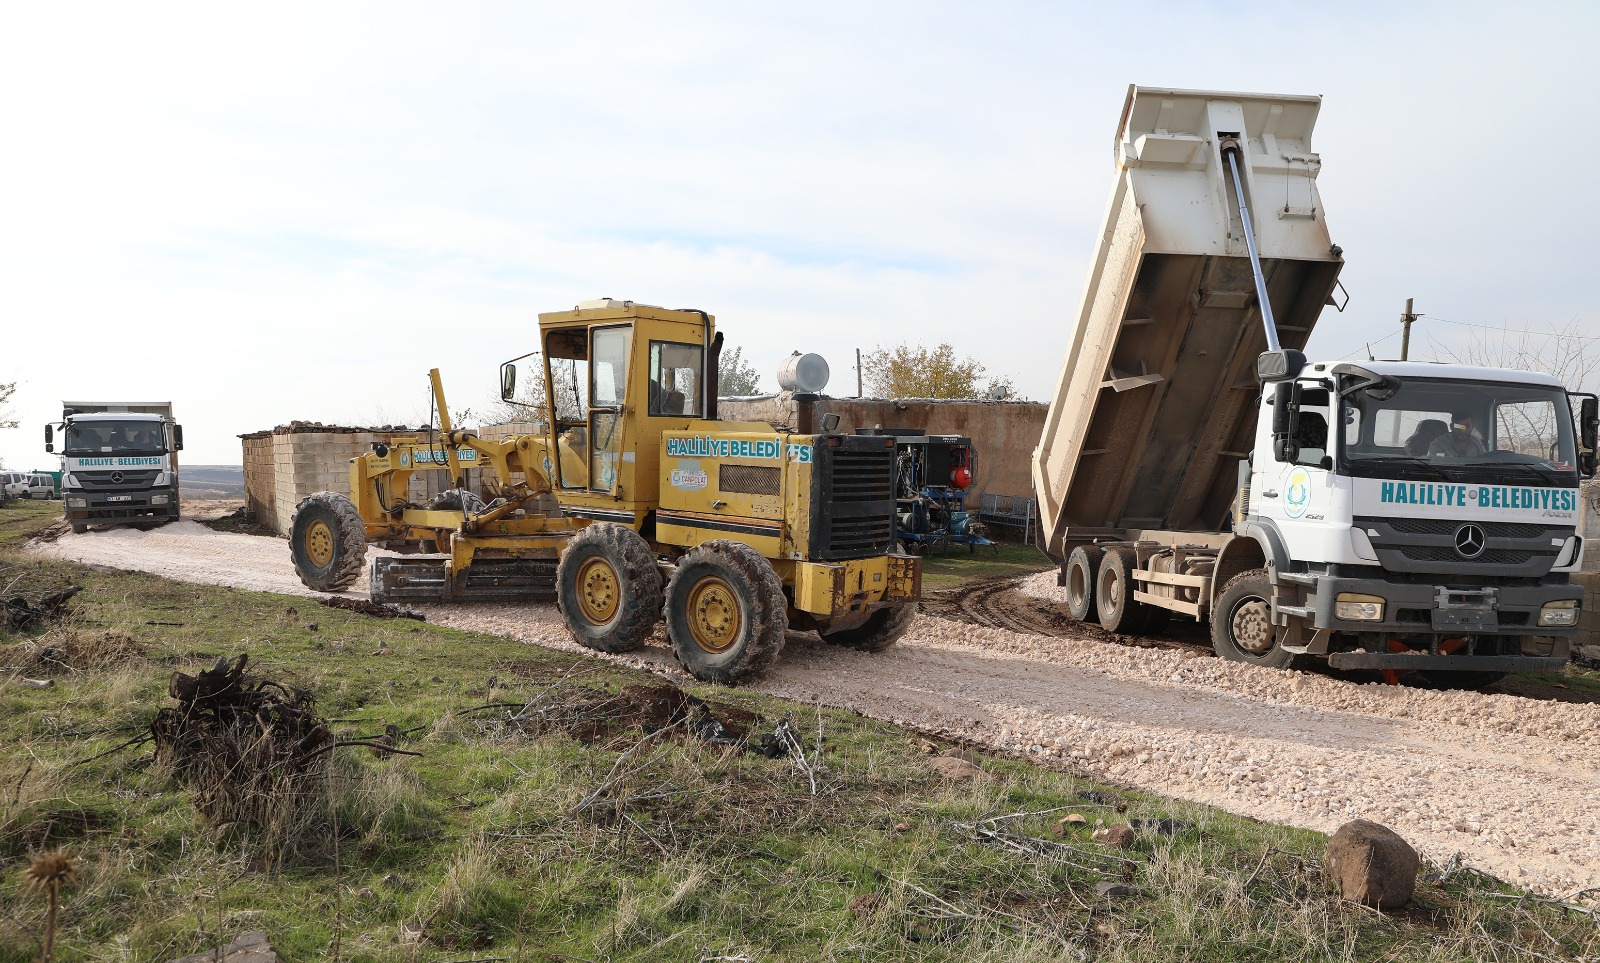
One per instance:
[(50, 873)]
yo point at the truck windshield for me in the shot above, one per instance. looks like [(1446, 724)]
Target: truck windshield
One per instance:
[(116, 437), (1484, 431)]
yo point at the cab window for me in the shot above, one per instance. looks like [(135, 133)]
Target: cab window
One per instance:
[(675, 379)]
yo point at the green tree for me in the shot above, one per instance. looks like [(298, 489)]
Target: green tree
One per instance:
[(913, 371), (734, 377)]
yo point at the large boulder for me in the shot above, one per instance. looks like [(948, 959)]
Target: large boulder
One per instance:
[(1372, 865)]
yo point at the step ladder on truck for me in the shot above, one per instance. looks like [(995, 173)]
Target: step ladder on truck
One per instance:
[(1385, 515)]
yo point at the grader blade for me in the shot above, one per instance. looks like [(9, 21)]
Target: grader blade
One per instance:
[(426, 579)]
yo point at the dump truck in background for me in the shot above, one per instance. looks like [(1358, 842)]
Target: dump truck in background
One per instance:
[(1396, 516), (119, 462)]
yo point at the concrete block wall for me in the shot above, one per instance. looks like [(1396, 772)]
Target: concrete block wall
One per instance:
[(284, 466)]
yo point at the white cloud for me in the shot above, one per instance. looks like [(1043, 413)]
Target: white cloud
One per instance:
[(294, 211)]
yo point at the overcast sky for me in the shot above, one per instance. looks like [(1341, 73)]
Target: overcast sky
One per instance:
[(293, 213)]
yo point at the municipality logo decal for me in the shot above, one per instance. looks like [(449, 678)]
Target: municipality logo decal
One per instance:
[(1296, 492)]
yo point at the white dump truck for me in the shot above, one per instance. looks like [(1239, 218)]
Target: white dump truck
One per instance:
[(1387, 515), (119, 462)]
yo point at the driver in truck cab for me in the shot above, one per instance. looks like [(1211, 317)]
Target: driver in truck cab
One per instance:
[(1460, 441)]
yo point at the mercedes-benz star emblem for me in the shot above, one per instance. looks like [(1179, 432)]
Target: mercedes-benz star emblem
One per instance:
[(116, 478), (1469, 541)]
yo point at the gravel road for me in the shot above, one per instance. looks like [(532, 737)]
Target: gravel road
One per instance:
[(1508, 782)]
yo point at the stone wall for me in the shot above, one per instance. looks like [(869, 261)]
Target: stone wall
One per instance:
[(284, 465), (1004, 433)]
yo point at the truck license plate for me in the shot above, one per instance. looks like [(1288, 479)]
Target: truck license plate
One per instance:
[(119, 498)]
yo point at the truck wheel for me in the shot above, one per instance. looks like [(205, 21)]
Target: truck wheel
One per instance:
[(1083, 565), (882, 629), (608, 587), (1113, 593), (726, 614), (1241, 623), (328, 541)]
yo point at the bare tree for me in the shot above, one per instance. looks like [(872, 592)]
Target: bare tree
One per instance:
[(1563, 351)]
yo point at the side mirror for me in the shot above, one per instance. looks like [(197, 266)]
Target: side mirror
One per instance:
[(1589, 423), (177, 438), (1285, 418), (1279, 365), (508, 381), (49, 438), (1587, 462)]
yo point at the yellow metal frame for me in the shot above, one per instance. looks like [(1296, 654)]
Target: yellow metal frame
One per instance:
[(667, 480)]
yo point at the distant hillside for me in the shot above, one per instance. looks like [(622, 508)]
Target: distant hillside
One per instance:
[(211, 481)]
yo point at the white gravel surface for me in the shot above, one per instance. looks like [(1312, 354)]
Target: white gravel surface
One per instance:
[(1510, 783)]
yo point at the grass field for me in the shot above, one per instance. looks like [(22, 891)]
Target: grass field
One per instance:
[(960, 566), (574, 834)]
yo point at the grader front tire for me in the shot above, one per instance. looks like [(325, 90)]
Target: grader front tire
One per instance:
[(328, 542), (608, 588), (882, 629), (726, 613)]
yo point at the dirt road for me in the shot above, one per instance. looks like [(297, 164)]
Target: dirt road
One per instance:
[(1509, 782)]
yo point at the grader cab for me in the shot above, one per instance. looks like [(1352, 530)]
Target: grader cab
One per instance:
[(635, 505)]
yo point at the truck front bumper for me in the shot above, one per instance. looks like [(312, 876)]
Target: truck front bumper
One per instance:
[(1445, 663), (1444, 610), (120, 508)]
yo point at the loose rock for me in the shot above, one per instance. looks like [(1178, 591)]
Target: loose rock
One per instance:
[(1372, 865)]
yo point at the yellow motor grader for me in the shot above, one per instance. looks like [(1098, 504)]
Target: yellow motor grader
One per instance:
[(636, 504)]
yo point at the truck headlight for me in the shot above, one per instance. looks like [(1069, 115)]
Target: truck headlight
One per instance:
[(159, 499), (77, 503), (71, 481), (1564, 612), (1358, 608)]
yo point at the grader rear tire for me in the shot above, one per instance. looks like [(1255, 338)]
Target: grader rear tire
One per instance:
[(726, 613), (882, 629), (328, 541), (608, 588)]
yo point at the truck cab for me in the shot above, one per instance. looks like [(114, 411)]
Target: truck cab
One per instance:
[(120, 464), (1402, 500)]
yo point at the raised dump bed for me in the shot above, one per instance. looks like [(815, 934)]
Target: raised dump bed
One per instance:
[(1155, 406)]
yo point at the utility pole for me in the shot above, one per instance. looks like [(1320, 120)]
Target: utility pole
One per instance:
[(858, 372), (1405, 331)]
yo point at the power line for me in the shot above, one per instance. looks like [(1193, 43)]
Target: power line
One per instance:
[(1522, 331)]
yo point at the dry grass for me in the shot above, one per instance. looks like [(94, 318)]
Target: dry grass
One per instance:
[(71, 649)]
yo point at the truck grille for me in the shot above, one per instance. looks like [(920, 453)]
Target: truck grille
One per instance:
[(1426, 546), (1448, 526), (110, 481), (852, 498), (1494, 556)]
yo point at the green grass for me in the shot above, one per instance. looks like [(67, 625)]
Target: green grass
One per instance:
[(20, 518), (484, 842), (959, 567)]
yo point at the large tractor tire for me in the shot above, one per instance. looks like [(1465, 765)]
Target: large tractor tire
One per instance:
[(882, 629), (1241, 623), (608, 588), (726, 613), (1083, 566), (328, 541)]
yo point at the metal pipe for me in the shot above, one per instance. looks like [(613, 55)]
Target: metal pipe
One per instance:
[(1231, 151)]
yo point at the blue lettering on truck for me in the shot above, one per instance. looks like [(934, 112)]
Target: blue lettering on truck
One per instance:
[(1479, 496)]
